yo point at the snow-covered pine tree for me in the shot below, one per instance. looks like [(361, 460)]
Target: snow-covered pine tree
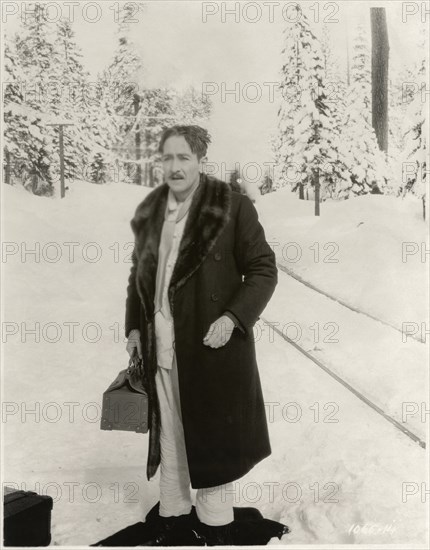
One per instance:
[(267, 183), (191, 106), (401, 88), (143, 113), (398, 99), (333, 74), (365, 162), (415, 126), (125, 77), (278, 170), (335, 86), (15, 117), (307, 146), (98, 169), (415, 140), (156, 113), (407, 135), (102, 124), (70, 101), (34, 54)]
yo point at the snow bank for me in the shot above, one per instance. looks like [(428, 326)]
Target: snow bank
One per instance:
[(368, 251)]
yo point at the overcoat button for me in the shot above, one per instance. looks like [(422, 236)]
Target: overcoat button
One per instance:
[(214, 296), (217, 256)]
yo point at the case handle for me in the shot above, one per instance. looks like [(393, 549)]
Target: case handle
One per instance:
[(135, 364)]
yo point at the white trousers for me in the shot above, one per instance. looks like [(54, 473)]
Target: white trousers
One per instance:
[(214, 505)]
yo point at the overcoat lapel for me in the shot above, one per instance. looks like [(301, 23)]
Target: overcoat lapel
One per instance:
[(208, 215), (147, 225)]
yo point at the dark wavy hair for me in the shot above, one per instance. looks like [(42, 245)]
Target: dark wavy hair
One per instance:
[(197, 138)]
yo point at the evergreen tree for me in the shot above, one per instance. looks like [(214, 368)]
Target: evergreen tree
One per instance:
[(26, 146), (267, 184), (156, 113), (70, 102), (415, 140), (407, 126), (308, 145), (141, 114), (124, 77), (101, 123), (15, 117), (191, 106), (34, 53), (98, 169), (366, 163), (336, 89), (401, 92)]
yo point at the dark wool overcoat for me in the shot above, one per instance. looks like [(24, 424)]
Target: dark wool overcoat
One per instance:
[(224, 264)]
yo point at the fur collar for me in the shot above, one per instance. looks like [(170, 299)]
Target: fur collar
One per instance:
[(208, 215)]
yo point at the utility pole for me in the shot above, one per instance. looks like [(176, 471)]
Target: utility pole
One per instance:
[(61, 144), (380, 60)]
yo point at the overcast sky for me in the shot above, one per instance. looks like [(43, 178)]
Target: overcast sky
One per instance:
[(178, 48)]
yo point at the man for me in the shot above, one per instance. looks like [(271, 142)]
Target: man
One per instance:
[(202, 274)]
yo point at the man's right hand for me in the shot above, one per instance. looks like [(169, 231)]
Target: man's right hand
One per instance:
[(134, 343)]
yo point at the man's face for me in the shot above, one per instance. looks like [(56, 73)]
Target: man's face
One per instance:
[(180, 164)]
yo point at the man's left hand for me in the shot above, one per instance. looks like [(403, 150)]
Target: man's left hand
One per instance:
[(219, 332)]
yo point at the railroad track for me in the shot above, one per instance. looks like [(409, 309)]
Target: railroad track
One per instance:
[(345, 304), (359, 395), (348, 386)]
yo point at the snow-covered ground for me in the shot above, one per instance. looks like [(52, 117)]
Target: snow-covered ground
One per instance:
[(366, 354), (369, 251), (339, 472)]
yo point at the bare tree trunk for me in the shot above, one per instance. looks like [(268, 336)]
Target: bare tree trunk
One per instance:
[(7, 167), (301, 191), (151, 175), (317, 193), (380, 50), (136, 102)]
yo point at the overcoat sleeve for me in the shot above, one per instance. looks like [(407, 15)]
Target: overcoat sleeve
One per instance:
[(132, 303), (256, 262), (235, 320)]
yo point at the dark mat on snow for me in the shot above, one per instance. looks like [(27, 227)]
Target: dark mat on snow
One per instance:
[(249, 528)]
